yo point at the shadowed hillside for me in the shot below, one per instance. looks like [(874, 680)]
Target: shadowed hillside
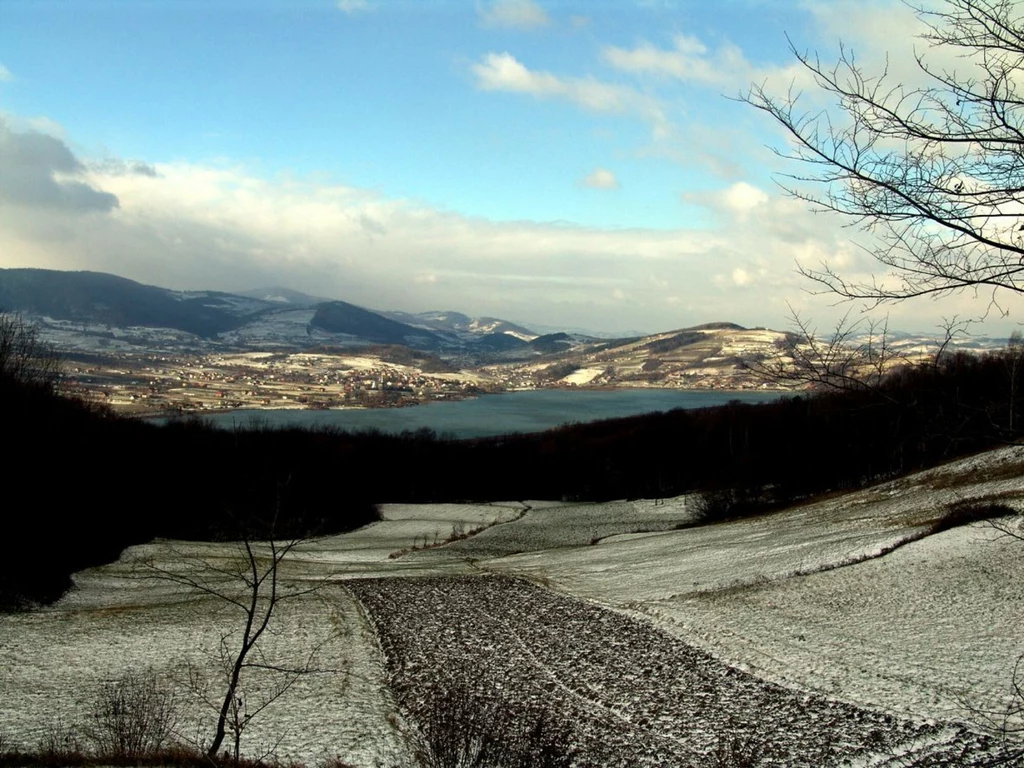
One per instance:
[(96, 297)]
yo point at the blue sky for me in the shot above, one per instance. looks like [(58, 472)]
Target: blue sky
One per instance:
[(566, 163)]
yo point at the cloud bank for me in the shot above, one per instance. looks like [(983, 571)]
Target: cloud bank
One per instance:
[(39, 171), (221, 227)]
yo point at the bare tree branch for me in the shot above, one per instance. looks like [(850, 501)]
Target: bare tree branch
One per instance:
[(855, 356), (935, 171), (24, 356)]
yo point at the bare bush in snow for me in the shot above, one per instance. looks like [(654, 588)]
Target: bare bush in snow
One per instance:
[(132, 716)]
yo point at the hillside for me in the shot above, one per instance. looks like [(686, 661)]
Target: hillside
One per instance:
[(80, 309), (343, 318), (826, 632), (713, 354), (98, 298), (458, 323)]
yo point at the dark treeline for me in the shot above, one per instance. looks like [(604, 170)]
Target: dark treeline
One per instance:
[(84, 484), (92, 483)]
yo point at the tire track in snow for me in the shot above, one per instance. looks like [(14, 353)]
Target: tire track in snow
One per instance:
[(588, 702)]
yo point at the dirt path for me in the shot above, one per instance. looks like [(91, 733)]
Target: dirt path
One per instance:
[(630, 694)]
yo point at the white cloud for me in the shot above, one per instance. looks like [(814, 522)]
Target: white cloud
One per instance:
[(503, 72), (192, 226), (742, 197), (737, 201), (719, 144), (222, 228), (601, 178), (690, 60), (5, 74), (513, 13), (353, 6), (880, 37)]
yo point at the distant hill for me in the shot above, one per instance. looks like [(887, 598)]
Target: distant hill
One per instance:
[(284, 297), (273, 315), (500, 342), (713, 354), (456, 322), (552, 342), (92, 312), (342, 317), (96, 297)]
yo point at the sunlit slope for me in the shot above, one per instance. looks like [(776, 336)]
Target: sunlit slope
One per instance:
[(813, 596)]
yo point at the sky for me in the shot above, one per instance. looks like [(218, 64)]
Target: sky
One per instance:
[(559, 163)]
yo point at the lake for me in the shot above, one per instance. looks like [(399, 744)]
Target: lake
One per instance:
[(488, 415)]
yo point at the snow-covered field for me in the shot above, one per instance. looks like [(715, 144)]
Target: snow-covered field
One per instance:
[(872, 653)]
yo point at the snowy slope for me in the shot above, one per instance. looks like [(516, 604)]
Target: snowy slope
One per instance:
[(804, 597)]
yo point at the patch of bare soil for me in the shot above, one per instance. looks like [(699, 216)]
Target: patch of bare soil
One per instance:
[(627, 693)]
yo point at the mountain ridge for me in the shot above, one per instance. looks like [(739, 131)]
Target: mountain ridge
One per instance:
[(102, 298)]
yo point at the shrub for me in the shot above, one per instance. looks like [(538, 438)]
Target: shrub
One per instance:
[(132, 716), (60, 745), (969, 511), (740, 751), (460, 728), (727, 503)]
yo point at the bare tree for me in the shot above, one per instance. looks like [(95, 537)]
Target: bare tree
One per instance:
[(1014, 360), (936, 171), (856, 355), (24, 357), (250, 584)]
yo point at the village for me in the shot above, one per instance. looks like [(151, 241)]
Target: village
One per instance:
[(153, 384)]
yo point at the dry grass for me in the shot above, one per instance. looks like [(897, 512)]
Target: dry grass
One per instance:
[(172, 757), (1011, 469)]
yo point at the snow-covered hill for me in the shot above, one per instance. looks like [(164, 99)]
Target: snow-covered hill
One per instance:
[(842, 623)]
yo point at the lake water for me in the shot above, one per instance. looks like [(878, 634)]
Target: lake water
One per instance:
[(487, 415)]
